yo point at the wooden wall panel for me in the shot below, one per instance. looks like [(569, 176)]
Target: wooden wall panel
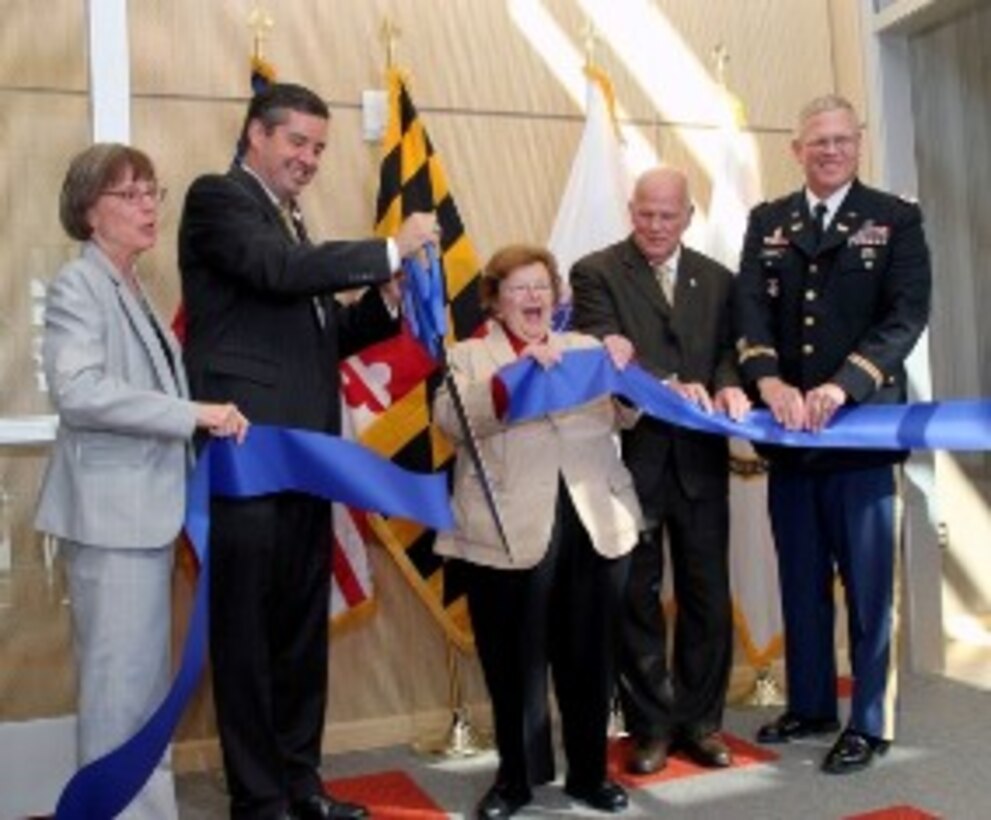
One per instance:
[(43, 45)]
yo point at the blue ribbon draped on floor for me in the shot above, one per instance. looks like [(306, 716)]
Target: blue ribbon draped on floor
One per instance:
[(584, 375), (270, 460)]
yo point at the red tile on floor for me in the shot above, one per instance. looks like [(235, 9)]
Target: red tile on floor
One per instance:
[(744, 754), (895, 813), (387, 795)]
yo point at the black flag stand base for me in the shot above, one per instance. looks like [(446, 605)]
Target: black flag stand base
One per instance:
[(765, 691), (462, 739)]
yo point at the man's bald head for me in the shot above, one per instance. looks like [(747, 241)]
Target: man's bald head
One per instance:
[(661, 211)]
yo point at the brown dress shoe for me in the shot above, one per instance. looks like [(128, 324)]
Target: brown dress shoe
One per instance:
[(649, 755), (709, 751)]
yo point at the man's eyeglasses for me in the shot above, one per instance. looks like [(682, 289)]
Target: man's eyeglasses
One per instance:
[(133, 196), (844, 142)]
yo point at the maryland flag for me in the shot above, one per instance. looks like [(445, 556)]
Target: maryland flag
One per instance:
[(387, 388)]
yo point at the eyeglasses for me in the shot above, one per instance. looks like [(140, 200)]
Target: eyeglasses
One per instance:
[(133, 196), (844, 142), (538, 288)]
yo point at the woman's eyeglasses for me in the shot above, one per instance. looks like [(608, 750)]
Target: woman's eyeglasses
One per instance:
[(136, 195)]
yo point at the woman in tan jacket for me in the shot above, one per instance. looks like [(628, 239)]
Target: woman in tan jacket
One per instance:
[(570, 516)]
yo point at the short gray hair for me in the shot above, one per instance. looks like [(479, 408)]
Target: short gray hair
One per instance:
[(819, 105)]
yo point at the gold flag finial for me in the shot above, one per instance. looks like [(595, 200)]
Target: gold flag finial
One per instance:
[(390, 33), (260, 22), (590, 38), (720, 56)]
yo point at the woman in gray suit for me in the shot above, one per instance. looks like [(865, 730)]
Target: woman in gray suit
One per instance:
[(114, 490), (571, 517)]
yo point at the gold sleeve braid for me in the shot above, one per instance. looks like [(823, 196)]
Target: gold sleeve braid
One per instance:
[(868, 367), (754, 351)]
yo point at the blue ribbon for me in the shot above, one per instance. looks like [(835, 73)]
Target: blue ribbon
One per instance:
[(423, 301), (584, 375), (270, 460)]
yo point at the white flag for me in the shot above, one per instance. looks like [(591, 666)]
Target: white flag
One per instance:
[(753, 564), (735, 190), (594, 209)]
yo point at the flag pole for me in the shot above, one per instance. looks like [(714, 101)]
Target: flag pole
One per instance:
[(461, 740), (765, 690), (589, 37), (260, 22), (390, 34)]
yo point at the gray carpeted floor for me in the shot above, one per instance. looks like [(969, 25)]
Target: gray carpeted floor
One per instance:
[(940, 765)]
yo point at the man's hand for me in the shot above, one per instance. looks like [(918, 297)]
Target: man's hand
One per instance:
[(417, 230), (695, 392), (547, 354), (733, 402), (620, 350), (821, 403), (392, 293), (784, 401)]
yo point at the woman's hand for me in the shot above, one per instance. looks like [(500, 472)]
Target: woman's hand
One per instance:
[(222, 420), (547, 354)]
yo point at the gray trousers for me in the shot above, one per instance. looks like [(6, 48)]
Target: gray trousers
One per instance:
[(122, 626)]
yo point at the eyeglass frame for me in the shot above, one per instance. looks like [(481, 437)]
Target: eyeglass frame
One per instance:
[(536, 288), (841, 142), (134, 196)]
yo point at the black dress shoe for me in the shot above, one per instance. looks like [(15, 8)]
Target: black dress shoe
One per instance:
[(502, 800), (852, 752), (325, 807), (604, 796), (792, 727), (708, 750), (647, 756)]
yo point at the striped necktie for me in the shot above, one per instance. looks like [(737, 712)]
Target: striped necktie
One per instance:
[(665, 278), (293, 220)]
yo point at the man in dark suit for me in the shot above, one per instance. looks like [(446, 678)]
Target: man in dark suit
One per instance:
[(264, 331), (652, 299), (833, 293)]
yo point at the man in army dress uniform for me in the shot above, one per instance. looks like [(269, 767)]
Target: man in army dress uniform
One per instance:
[(834, 291)]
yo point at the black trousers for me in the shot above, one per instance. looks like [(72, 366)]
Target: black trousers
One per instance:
[(685, 698), (560, 614), (269, 588)]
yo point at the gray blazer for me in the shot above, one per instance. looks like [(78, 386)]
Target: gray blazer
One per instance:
[(117, 472)]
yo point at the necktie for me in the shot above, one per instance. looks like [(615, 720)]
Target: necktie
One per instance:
[(819, 220), (290, 220), (665, 278), (293, 220)]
